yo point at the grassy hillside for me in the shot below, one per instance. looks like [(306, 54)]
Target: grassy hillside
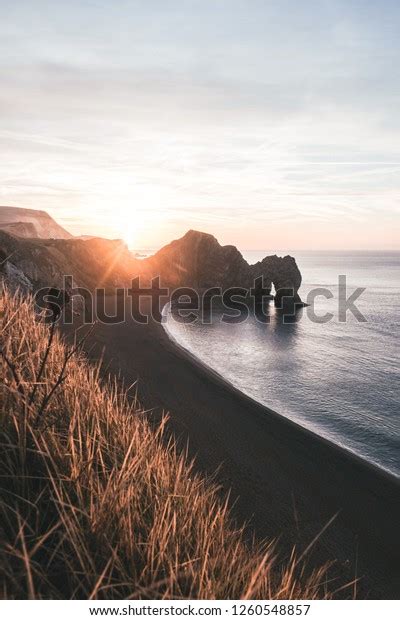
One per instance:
[(94, 503)]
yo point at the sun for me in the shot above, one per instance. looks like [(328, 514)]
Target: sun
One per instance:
[(137, 228)]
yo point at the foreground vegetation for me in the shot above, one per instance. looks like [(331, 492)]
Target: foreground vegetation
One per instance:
[(96, 503)]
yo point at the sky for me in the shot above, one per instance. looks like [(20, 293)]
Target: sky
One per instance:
[(270, 124)]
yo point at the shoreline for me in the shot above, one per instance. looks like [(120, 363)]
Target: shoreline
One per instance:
[(284, 480), (314, 434)]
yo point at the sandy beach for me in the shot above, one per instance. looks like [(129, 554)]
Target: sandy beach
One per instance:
[(285, 482)]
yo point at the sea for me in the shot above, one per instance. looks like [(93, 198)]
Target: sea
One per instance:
[(339, 378)]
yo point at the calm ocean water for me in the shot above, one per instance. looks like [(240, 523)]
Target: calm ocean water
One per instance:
[(340, 380)]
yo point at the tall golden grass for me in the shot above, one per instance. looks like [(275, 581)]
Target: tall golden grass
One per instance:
[(96, 504)]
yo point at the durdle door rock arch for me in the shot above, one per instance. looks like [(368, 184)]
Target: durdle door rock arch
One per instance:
[(284, 275), (198, 260)]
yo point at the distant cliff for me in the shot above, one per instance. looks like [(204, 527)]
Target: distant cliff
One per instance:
[(195, 260), (31, 223)]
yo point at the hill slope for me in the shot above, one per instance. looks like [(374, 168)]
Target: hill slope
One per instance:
[(94, 503), (31, 223), (92, 263)]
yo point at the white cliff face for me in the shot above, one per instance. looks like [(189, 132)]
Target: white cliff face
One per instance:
[(31, 223)]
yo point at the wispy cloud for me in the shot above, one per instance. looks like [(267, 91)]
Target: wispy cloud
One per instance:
[(250, 121)]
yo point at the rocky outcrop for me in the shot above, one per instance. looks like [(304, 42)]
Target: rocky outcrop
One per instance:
[(31, 223), (284, 274), (199, 261), (12, 275)]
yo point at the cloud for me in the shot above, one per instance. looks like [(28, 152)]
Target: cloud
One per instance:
[(203, 113)]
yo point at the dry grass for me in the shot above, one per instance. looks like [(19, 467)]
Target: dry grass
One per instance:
[(94, 504)]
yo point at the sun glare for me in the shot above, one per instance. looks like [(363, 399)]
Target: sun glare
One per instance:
[(135, 227)]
